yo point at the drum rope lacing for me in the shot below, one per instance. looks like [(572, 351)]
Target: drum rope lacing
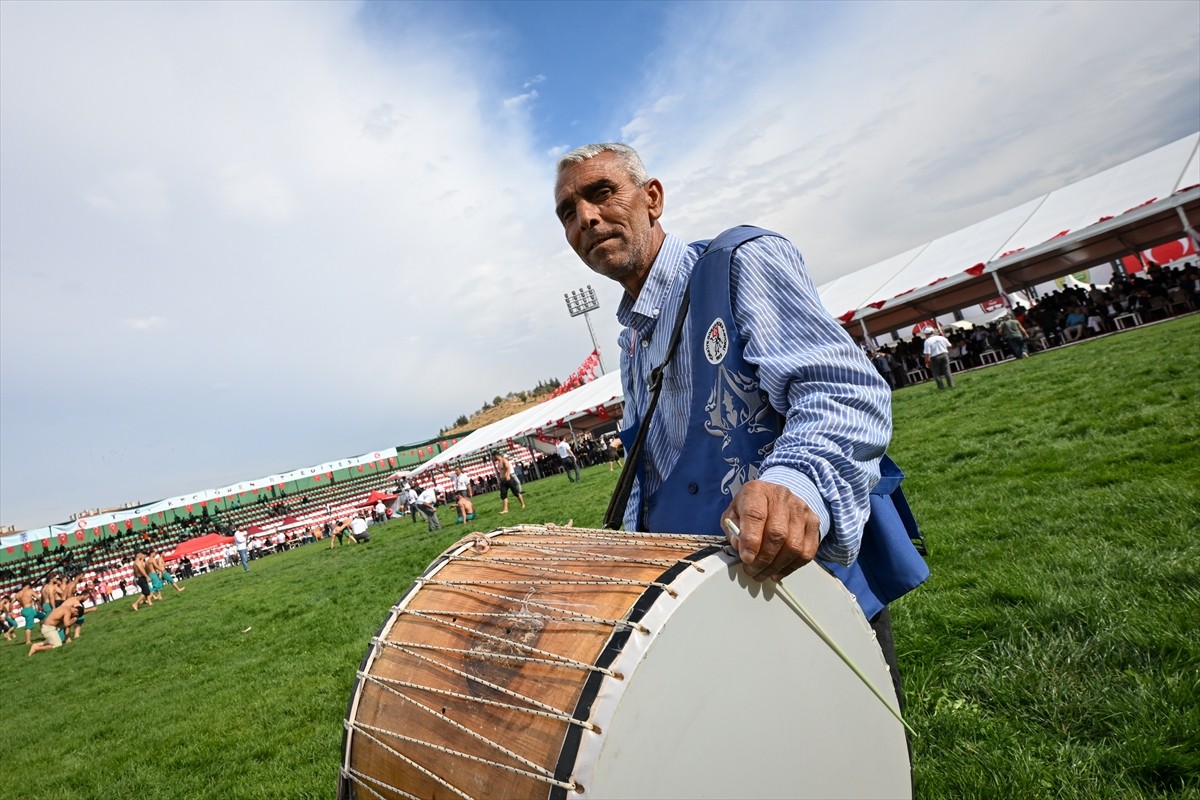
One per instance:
[(600, 580), (553, 658), (578, 615), (365, 731), (554, 714), (541, 773), (502, 689), (363, 780)]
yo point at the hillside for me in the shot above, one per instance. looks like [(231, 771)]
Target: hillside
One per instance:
[(502, 407)]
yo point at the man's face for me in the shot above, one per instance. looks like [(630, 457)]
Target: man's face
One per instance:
[(610, 222)]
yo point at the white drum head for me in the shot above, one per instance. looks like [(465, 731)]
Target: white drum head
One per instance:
[(736, 696)]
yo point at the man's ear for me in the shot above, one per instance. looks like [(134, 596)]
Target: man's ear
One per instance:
[(654, 198)]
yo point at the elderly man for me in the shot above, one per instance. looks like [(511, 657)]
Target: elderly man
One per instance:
[(783, 420)]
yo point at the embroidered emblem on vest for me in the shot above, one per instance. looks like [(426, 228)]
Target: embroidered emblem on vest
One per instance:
[(716, 342)]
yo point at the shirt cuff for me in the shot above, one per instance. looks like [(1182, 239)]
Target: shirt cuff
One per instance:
[(803, 488)]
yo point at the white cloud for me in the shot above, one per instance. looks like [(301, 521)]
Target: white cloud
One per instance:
[(520, 101), (144, 323), (886, 125), (344, 234), (534, 81)]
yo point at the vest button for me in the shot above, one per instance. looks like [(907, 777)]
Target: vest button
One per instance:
[(693, 488)]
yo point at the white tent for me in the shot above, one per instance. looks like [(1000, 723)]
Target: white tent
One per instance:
[(1144, 202), (577, 409)]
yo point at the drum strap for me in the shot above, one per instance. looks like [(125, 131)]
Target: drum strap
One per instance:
[(615, 515)]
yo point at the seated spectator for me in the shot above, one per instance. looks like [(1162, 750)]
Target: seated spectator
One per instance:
[(1073, 324)]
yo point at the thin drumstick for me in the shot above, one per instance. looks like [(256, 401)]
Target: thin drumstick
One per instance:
[(794, 604)]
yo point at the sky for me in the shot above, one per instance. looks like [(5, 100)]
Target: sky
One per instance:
[(238, 239)]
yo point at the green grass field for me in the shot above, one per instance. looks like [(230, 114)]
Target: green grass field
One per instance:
[(1054, 653)]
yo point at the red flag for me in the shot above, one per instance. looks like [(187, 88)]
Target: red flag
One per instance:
[(392, 460), (316, 477), (145, 520), (9, 549), (45, 544), (79, 535), (27, 546), (204, 504), (188, 506), (96, 532), (112, 527), (128, 524), (360, 467), (62, 538)]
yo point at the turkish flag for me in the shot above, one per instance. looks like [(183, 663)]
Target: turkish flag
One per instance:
[(128, 524), (96, 532), (188, 506), (45, 544), (9, 549), (62, 538), (316, 477), (112, 527), (360, 467), (79, 535), (421, 452), (392, 460), (204, 504), (27, 546), (145, 520)]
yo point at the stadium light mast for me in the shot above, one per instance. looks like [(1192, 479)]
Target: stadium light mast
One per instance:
[(581, 301)]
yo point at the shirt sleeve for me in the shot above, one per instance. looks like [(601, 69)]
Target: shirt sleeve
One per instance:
[(836, 407)]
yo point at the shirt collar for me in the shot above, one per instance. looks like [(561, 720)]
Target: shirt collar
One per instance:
[(643, 312)]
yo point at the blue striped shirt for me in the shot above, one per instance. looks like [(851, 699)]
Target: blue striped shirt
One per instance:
[(836, 406)]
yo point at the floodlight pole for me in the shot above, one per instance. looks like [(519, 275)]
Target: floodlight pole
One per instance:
[(581, 301)]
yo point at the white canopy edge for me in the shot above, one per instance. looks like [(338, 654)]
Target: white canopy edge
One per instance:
[(605, 392)]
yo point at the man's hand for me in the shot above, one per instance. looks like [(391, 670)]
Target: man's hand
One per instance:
[(779, 532)]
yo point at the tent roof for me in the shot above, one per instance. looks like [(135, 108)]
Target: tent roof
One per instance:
[(197, 544), (1130, 207), (547, 417)]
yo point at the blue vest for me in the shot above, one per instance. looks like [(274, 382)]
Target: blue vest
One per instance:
[(732, 428)]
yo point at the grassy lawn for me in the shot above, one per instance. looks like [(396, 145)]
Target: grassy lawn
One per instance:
[(1054, 653)]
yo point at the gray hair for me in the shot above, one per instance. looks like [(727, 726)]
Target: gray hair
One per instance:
[(628, 157)]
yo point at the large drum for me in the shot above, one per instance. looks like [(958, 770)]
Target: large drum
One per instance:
[(558, 662)]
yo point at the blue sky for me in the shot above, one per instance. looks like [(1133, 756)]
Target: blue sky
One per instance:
[(242, 238)]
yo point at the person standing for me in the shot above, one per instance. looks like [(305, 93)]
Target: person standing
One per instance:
[(567, 456), (427, 505), (159, 565), (884, 367), (242, 544), (141, 573), (507, 479), (803, 420), (1016, 335), (937, 358), (29, 610)]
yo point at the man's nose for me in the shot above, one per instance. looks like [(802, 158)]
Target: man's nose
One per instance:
[(587, 214)]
